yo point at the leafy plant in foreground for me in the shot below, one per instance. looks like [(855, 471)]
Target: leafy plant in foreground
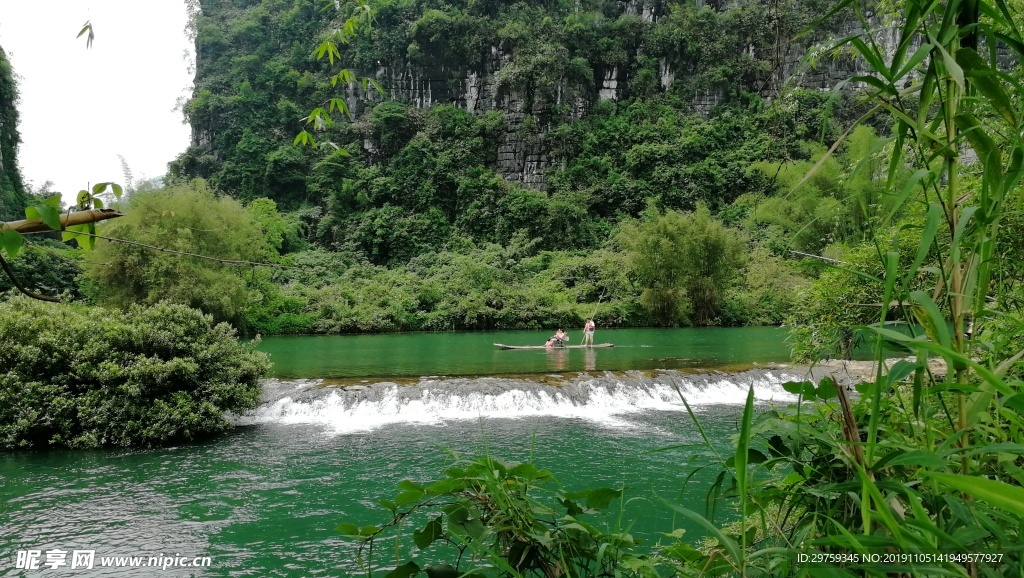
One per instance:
[(488, 518), (929, 459)]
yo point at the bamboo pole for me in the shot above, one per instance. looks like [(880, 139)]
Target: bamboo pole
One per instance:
[(66, 220)]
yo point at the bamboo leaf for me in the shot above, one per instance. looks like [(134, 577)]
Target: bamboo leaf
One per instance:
[(304, 138), (742, 455), (980, 141), (984, 80), (1015, 43), (935, 322), (877, 83), (896, 160), (728, 543), (921, 458), (1005, 18), (999, 448), (954, 69), (900, 370), (993, 492), (931, 227), (87, 29), (1014, 171), (918, 343), (922, 52), (873, 57)]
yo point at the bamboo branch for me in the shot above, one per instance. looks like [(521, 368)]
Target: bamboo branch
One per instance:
[(66, 220)]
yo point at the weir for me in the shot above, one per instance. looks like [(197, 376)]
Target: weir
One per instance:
[(602, 399)]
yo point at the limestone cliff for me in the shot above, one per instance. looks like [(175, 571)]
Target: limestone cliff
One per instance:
[(538, 63)]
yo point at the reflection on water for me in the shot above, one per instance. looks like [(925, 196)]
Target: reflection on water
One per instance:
[(557, 358)]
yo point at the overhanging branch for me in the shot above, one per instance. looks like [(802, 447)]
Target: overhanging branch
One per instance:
[(14, 279)]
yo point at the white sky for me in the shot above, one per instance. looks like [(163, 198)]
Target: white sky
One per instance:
[(81, 107)]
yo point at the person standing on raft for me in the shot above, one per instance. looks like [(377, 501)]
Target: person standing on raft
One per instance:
[(588, 332)]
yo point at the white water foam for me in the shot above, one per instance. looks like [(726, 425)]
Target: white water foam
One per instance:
[(602, 401)]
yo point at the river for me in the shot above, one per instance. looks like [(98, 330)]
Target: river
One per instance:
[(264, 500)]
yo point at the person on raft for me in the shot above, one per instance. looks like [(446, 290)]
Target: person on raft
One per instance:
[(588, 332), (558, 339)]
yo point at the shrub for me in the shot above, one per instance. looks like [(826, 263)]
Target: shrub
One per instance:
[(83, 377)]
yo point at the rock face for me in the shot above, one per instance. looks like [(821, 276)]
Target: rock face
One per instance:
[(524, 155), (495, 78)]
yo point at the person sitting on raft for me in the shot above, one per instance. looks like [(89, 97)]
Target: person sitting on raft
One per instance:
[(560, 337)]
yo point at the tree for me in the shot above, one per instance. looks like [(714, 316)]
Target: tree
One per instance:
[(683, 263)]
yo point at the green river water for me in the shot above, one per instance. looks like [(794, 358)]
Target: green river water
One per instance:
[(264, 500), (474, 353)]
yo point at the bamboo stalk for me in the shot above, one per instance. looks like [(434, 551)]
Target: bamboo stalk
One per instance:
[(66, 220)]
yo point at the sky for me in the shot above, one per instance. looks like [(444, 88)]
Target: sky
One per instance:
[(82, 107)]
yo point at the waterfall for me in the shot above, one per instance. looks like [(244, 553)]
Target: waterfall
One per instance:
[(602, 400)]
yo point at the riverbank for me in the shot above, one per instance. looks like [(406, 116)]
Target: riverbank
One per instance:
[(858, 371)]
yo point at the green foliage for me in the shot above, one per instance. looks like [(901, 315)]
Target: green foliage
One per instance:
[(488, 516), (768, 294), (256, 79), (811, 488), (928, 458), (489, 287), (825, 199), (684, 263), (13, 198), (46, 266), (187, 218), (84, 377), (281, 232), (418, 184)]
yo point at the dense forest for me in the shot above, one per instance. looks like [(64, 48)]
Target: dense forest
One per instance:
[(621, 162)]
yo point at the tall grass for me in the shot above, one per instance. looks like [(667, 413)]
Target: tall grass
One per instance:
[(920, 463)]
